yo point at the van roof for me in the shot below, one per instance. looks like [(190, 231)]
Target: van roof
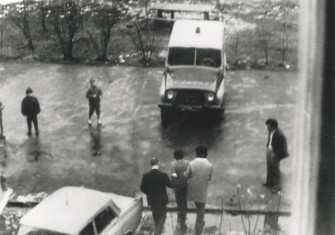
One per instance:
[(184, 34)]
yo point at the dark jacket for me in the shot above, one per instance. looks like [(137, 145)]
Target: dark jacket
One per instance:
[(178, 167), (30, 106), (94, 95), (154, 185), (279, 144)]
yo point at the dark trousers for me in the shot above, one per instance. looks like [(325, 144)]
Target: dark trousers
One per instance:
[(94, 107), (273, 171), (181, 200), (159, 216), (34, 121), (200, 221)]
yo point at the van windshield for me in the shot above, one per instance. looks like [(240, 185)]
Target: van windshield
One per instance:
[(185, 56)]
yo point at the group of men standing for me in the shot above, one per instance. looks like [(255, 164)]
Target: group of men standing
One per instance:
[(190, 181)]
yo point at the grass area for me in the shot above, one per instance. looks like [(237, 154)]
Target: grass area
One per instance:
[(250, 25)]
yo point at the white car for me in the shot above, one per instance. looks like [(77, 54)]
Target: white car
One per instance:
[(77, 210)]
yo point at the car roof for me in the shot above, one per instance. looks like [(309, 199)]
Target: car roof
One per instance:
[(68, 210), (184, 34)]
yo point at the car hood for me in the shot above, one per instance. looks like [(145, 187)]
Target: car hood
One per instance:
[(191, 78)]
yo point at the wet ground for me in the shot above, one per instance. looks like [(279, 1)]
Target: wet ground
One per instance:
[(114, 157)]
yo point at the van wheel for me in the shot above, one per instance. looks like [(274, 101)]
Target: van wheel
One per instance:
[(166, 116), (216, 116)]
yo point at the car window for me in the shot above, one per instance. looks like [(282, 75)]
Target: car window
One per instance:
[(104, 218), (88, 230), (208, 57), (181, 56)]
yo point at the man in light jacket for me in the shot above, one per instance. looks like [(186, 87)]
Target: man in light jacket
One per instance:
[(199, 173)]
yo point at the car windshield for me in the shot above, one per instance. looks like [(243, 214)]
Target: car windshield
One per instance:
[(27, 230), (185, 56)]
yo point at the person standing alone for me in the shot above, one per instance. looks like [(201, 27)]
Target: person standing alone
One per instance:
[(94, 95), (30, 108), (276, 149), (154, 185), (178, 167), (199, 173)]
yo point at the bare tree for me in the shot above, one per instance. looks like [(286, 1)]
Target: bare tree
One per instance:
[(66, 18), (233, 42), (265, 34), (20, 16), (105, 17), (144, 34), (285, 25), (43, 8), (3, 26)]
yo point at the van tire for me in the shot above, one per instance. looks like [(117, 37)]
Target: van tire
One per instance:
[(166, 116)]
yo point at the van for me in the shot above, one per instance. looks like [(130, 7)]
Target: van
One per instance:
[(194, 75)]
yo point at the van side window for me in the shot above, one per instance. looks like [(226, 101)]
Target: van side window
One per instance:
[(181, 56), (88, 230), (104, 218)]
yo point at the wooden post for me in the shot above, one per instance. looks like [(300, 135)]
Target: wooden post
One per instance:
[(206, 15), (172, 15), (160, 14)]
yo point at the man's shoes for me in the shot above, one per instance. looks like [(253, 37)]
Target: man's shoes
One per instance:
[(29, 133), (89, 122), (268, 185), (2, 137), (37, 132), (99, 122)]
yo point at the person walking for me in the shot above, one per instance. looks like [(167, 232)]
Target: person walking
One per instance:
[(30, 108), (276, 149), (178, 167), (199, 173), (1, 125), (94, 95), (154, 185)]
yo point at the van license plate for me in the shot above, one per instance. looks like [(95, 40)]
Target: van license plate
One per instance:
[(186, 108)]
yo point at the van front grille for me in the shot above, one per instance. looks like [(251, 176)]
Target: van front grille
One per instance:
[(190, 97)]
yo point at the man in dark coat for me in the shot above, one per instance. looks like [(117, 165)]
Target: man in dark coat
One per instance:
[(154, 185), (276, 149), (30, 108), (178, 167), (94, 95)]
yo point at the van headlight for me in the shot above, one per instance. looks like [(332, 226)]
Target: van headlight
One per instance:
[(210, 97), (170, 95)]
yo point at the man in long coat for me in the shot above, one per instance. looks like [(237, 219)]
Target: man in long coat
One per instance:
[(154, 185), (276, 150), (199, 173)]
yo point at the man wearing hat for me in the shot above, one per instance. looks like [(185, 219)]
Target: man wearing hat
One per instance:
[(30, 108), (178, 167), (94, 95), (199, 173), (154, 185)]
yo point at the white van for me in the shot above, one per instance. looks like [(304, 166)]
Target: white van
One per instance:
[(195, 68)]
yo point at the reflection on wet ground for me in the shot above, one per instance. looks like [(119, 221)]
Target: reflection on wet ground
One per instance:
[(192, 128), (34, 150), (96, 143)]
